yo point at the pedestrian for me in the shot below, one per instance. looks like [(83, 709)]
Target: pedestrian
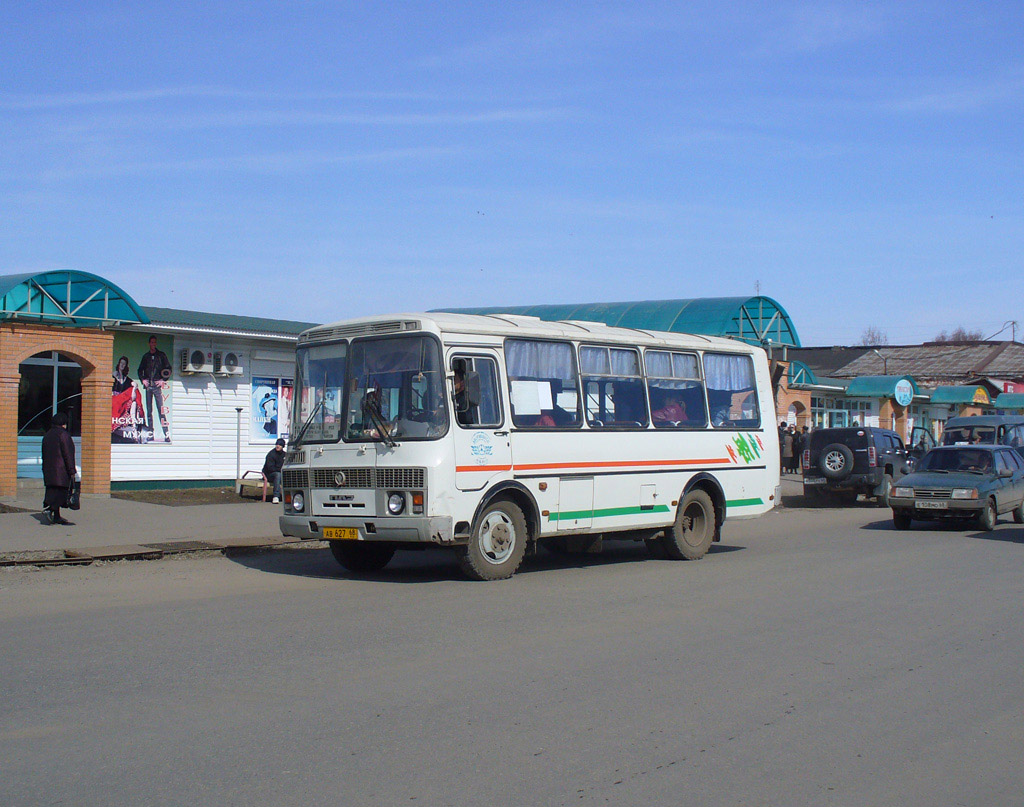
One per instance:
[(59, 468), (788, 438), (272, 466), (782, 438), (794, 461)]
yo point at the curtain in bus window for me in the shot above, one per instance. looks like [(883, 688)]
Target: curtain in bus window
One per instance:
[(675, 390), (542, 383), (613, 389), (732, 395)]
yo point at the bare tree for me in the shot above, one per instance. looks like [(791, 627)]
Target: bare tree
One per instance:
[(874, 337), (960, 334)]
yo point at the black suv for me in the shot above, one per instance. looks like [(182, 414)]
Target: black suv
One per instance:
[(861, 459)]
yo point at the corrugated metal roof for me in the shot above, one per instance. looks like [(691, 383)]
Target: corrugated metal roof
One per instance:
[(751, 319), (226, 322), (939, 361)]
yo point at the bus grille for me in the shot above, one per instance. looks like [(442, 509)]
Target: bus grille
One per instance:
[(400, 478), (390, 478)]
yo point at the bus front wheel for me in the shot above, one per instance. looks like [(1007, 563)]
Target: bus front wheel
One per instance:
[(498, 543), (694, 530)]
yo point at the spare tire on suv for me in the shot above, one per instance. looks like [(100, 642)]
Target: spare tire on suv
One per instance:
[(836, 461)]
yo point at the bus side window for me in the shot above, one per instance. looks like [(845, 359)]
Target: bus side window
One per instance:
[(476, 392), (732, 393), (675, 390), (614, 387), (542, 383)]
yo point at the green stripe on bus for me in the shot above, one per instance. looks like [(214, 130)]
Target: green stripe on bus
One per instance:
[(743, 502), (611, 511)]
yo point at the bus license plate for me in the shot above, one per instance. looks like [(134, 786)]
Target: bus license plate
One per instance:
[(933, 505), (341, 534)]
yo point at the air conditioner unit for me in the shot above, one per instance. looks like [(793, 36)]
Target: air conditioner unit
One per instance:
[(196, 360), (227, 362)]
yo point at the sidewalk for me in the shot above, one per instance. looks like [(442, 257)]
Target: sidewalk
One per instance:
[(115, 529)]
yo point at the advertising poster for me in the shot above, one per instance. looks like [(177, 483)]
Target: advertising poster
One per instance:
[(284, 408), (140, 409), (263, 426)]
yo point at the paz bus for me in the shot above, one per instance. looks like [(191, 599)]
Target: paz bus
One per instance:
[(493, 434)]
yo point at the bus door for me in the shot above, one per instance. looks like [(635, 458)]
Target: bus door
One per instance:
[(482, 447)]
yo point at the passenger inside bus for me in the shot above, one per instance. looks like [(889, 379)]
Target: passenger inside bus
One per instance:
[(672, 411)]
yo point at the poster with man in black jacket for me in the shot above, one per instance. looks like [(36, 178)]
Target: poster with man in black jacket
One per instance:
[(155, 375)]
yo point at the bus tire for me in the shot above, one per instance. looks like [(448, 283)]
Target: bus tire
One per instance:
[(360, 557), (498, 543), (694, 530)]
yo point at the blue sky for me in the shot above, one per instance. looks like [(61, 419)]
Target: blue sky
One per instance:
[(861, 162)]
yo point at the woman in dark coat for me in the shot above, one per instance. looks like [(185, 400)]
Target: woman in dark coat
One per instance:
[(58, 468)]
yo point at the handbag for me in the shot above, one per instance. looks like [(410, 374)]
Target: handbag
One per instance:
[(74, 497)]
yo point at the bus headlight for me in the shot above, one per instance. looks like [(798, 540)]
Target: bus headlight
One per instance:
[(298, 502), (396, 503), (965, 493)]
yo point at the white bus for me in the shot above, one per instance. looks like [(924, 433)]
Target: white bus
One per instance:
[(493, 434)]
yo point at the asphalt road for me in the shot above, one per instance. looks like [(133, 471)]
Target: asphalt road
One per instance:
[(815, 657)]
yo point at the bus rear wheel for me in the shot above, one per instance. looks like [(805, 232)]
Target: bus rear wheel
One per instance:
[(691, 536), (361, 557), (498, 543)]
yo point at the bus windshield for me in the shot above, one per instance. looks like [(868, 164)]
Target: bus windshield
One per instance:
[(958, 435), (319, 387), (396, 390)]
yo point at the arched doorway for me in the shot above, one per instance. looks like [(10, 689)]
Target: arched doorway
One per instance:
[(50, 382), (56, 344)]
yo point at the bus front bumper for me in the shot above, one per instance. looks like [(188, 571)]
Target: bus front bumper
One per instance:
[(397, 529)]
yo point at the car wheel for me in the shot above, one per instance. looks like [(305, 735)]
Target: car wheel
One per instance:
[(498, 543), (1018, 513), (361, 557), (835, 461), (694, 530), (987, 517), (882, 499), (901, 519)]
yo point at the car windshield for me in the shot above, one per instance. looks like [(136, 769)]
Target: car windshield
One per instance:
[(319, 386), (395, 390), (955, 460), (968, 435)]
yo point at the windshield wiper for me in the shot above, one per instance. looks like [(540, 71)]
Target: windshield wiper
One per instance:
[(302, 432), (378, 420)]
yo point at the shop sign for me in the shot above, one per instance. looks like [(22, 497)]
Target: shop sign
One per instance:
[(904, 392), (981, 396)]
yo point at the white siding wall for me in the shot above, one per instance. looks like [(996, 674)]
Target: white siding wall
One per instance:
[(204, 423)]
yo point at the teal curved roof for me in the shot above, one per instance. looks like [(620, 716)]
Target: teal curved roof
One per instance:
[(958, 395), (752, 319), (66, 297), (1010, 400), (878, 386)]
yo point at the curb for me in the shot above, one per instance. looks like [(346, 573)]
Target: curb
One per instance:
[(154, 551)]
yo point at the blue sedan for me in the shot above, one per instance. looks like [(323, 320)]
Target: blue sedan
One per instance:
[(961, 482)]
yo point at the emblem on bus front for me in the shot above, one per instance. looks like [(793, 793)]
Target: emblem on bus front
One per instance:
[(339, 478)]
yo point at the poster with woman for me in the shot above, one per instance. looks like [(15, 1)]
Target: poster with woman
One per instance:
[(284, 408)]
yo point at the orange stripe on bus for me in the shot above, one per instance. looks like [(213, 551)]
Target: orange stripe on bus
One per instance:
[(461, 468)]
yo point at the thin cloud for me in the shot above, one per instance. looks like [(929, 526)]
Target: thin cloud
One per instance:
[(965, 97), (277, 163)]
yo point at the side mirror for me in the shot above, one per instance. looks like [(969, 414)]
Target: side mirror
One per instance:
[(1005, 473), (905, 470)]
